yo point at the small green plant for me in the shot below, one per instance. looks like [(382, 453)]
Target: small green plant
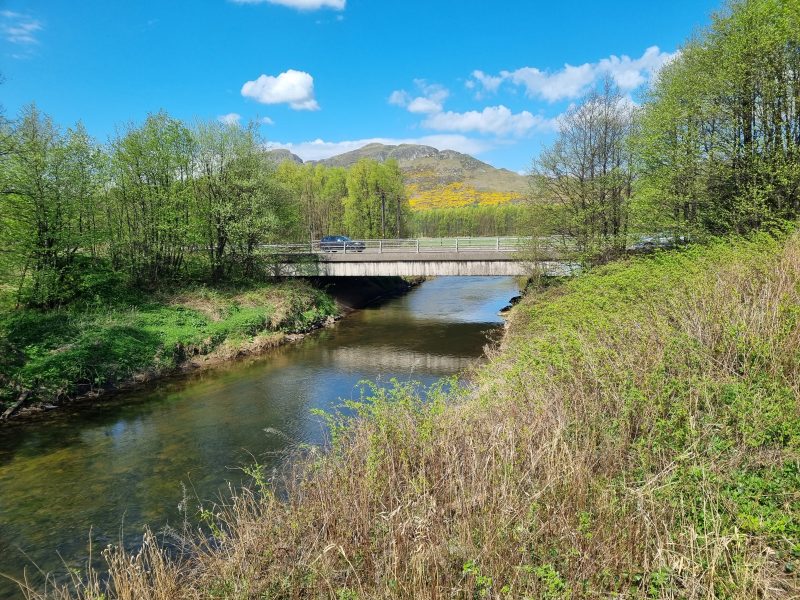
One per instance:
[(553, 586), (257, 474), (585, 524), (346, 594), (482, 583), (658, 582), (210, 520)]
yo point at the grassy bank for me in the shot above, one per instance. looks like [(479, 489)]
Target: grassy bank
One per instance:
[(636, 436), (53, 356)]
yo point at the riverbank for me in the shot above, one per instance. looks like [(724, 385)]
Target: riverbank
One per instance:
[(87, 350), (636, 435)]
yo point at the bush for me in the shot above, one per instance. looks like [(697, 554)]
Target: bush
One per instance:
[(636, 436)]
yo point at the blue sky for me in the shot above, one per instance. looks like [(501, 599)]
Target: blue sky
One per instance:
[(327, 76)]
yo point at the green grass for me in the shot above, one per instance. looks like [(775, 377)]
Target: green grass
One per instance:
[(59, 353), (636, 436)]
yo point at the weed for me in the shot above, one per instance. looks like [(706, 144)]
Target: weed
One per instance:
[(635, 435)]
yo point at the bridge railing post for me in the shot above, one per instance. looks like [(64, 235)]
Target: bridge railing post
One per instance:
[(417, 246), (380, 246), (456, 244), (498, 244)]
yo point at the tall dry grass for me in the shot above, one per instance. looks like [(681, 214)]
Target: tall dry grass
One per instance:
[(636, 435)]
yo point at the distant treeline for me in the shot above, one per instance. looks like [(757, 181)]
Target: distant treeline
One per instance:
[(165, 200), (475, 221), (714, 148)]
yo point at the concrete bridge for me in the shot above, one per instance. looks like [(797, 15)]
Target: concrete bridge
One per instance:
[(502, 256)]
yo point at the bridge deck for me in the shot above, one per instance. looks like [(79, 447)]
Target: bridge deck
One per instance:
[(424, 257)]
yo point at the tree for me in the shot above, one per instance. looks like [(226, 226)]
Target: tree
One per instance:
[(152, 167), (264, 210), (52, 182), (320, 193), (376, 205), (587, 176), (719, 141), (394, 203), (490, 220), (237, 205)]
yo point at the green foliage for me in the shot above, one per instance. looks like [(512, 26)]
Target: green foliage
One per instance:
[(376, 205), (91, 345), (719, 137), (476, 221), (715, 149), (319, 194), (482, 583), (51, 193), (239, 202), (765, 501), (162, 202), (552, 583), (366, 201), (587, 176), (150, 204)]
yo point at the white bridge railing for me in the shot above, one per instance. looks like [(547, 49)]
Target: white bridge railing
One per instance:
[(422, 245)]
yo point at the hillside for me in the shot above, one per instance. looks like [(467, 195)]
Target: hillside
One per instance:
[(280, 155), (636, 436), (437, 178)]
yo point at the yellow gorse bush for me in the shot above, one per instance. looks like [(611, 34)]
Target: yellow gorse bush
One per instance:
[(455, 195)]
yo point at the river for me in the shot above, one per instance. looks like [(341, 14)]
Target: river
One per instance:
[(113, 467)]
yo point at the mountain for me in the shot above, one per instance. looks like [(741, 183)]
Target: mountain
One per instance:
[(436, 178), (282, 155)]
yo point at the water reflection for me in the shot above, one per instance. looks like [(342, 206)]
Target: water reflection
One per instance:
[(126, 462)]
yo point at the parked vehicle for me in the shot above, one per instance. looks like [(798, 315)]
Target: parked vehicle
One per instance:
[(340, 243), (652, 242)]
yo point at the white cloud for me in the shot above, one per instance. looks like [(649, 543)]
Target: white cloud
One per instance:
[(19, 29), (424, 106), (236, 119), (496, 121), (430, 101), (489, 83), (630, 73), (295, 88), (230, 118), (320, 149), (300, 4), (492, 120), (570, 82), (574, 81), (399, 98)]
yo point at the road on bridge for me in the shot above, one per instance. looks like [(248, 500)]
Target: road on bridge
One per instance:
[(459, 245)]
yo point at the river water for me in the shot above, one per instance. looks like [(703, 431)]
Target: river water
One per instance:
[(102, 472)]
